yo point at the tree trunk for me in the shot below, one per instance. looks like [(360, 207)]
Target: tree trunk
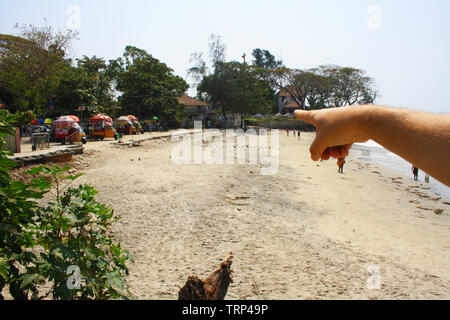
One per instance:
[(214, 287)]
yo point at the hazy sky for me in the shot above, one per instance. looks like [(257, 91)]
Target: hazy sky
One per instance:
[(404, 45)]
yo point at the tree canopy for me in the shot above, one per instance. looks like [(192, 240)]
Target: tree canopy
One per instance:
[(31, 66), (148, 86), (327, 86), (37, 74), (237, 88)]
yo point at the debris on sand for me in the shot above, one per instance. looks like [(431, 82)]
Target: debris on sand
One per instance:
[(214, 287)]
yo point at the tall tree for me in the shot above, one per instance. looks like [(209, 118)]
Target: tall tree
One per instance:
[(99, 93), (31, 65), (327, 86), (237, 88), (264, 59), (149, 86)]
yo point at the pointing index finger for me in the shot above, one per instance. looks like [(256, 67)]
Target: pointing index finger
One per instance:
[(307, 116)]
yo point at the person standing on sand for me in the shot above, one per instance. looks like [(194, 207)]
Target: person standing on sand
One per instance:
[(298, 134), (398, 130), (415, 172), (340, 163)]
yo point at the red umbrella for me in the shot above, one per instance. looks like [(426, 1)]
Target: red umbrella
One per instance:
[(34, 121), (100, 117), (64, 120), (75, 118)]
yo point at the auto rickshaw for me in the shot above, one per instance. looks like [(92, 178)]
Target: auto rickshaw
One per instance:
[(61, 128), (101, 127), (76, 134), (124, 125)]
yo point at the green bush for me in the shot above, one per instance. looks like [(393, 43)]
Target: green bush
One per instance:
[(42, 247)]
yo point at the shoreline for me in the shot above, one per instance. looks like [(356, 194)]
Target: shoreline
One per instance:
[(373, 153)]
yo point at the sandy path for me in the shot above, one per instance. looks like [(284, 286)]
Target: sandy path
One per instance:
[(306, 232)]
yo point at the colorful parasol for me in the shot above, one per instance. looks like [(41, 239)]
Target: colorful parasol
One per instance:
[(100, 117), (123, 119), (64, 120), (132, 118), (75, 118)]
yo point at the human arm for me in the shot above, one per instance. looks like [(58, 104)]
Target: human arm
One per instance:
[(422, 139)]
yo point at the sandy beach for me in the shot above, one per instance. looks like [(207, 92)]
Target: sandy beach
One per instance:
[(305, 233)]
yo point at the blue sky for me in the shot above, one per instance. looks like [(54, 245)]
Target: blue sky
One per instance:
[(405, 48)]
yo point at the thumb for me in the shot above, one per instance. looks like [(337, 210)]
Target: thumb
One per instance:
[(317, 147), (307, 116)]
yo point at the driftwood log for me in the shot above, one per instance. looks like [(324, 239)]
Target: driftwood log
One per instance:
[(214, 287)]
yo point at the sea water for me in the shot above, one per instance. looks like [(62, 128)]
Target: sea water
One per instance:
[(373, 152)]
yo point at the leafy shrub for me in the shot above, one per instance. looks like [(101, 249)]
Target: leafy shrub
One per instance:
[(43, 246)]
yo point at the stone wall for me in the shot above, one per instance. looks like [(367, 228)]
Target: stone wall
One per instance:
[(283, 124)]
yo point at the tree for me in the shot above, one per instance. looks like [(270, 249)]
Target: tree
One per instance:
[(349, 85), (267, 66), (265, 60), (237, 88), (149, 86), (327, 86), (31, 66), (99, 93)]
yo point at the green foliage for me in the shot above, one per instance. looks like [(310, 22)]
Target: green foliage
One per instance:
[(31, 66), (238, 89), (75, 230), (39, 244), (149, 87), (327, 86), (265, 60)]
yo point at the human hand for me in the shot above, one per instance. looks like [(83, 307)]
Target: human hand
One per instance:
[(337, 130)]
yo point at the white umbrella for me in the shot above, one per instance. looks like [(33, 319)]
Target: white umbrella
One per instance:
[(65, 120), (124, 119)]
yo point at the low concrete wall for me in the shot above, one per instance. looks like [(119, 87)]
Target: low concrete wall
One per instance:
[(283, 124)]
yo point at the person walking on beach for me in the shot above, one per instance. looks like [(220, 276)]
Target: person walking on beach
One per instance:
[(298, 134), (398, 130), (415, 172), (340, 163)]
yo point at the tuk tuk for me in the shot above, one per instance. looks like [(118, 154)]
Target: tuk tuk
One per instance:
[(76, 134), (61, 128), (101, 127), (124, 125), (136, 127)]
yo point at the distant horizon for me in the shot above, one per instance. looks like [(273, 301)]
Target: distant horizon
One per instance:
[(401, 45)]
